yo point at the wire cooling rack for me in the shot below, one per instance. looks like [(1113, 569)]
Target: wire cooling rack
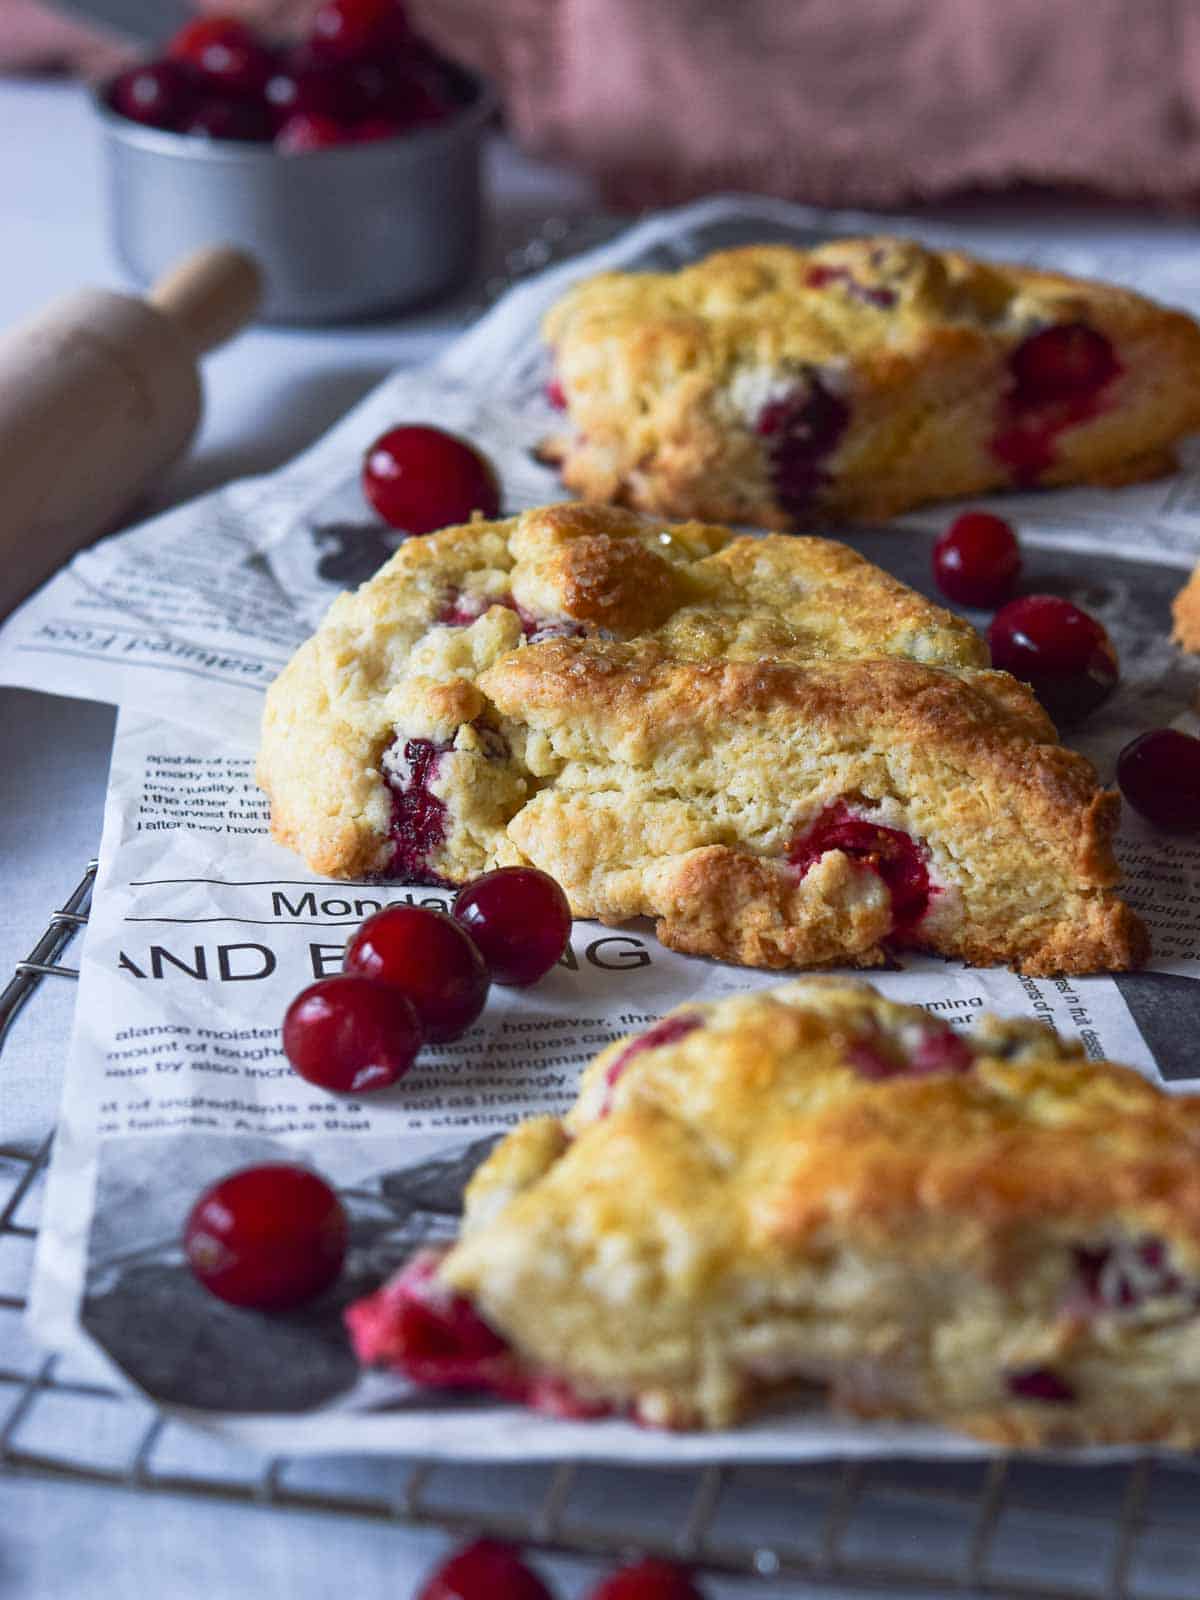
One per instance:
[(1010, 1528)]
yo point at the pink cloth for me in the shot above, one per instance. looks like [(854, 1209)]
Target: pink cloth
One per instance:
[(38, 37), (35, 38), (860, 102)]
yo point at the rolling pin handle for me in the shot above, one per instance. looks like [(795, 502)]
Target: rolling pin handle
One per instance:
[(210, 295)]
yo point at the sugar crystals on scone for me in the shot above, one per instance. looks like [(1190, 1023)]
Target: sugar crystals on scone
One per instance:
[(813, 1184), (780, 753), (769, 384)]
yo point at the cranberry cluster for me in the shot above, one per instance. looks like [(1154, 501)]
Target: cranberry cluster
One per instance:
[(274, 1236), (360, 74), (1064, 654), (490, 1570), (415, 976)]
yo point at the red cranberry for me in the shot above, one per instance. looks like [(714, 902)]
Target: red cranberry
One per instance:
[(801, 429), (664, 1032), (1063, 362), (226, 53), (301, 85), (938, 1050), (1040, 1384), (898, 859), (270, 1237), (1123, 1275), (419, 478), (161, 94), (243, 120), (1026, 443), (352, 30), (311, 132), (520, 920), (649, 1580), (977, 560), (485, 1570), (436, 1338), (1059, 376), (372, 129), (418, 824), (419, 98), (820, 277), (1060, 651), (556, 394), (430, 1334), (351, 1035), (1159, 774), (429, 958)]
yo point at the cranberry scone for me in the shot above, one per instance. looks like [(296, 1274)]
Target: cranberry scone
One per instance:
[(776, 750), (1186, 612), (865, 377), (814, 1184)]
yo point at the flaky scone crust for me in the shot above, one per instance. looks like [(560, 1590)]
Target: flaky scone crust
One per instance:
[(1186, 611), (751, 1203), (723, 695), (664, 376)]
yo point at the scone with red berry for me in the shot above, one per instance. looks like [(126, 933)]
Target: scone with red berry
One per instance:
[(769, 384), (1187, 613), (812, 1183), (774, 749)]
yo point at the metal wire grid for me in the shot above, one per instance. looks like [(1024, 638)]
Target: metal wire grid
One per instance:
[(1002, 1528)]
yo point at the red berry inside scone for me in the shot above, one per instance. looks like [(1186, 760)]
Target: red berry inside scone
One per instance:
[(801, 430), (1066, 362), (437, 1339), (1040, 1384), (870, 294), (1122, 1276), (1059, 377), (430, 1335), (664, 1032), (898, 859), (936, 1049), (418, 826)]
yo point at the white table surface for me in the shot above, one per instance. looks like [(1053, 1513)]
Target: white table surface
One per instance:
[(269, 395)]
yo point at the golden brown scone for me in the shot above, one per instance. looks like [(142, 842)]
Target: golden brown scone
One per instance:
[(1187, 613), (812, 1183), (780, 753), (864, 377)]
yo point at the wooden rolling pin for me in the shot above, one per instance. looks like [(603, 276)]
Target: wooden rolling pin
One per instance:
[(99, 394)]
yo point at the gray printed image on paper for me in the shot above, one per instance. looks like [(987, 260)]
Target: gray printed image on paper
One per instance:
[(181, 1345)]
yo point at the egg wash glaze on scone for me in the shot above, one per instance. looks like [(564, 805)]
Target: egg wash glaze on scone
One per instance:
[(815, 1184), (779, 752), (770, 385)]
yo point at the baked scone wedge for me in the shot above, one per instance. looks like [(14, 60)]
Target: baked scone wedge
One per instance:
[(779, 752), (980, 1230), (867, 376), (1186, 611)]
